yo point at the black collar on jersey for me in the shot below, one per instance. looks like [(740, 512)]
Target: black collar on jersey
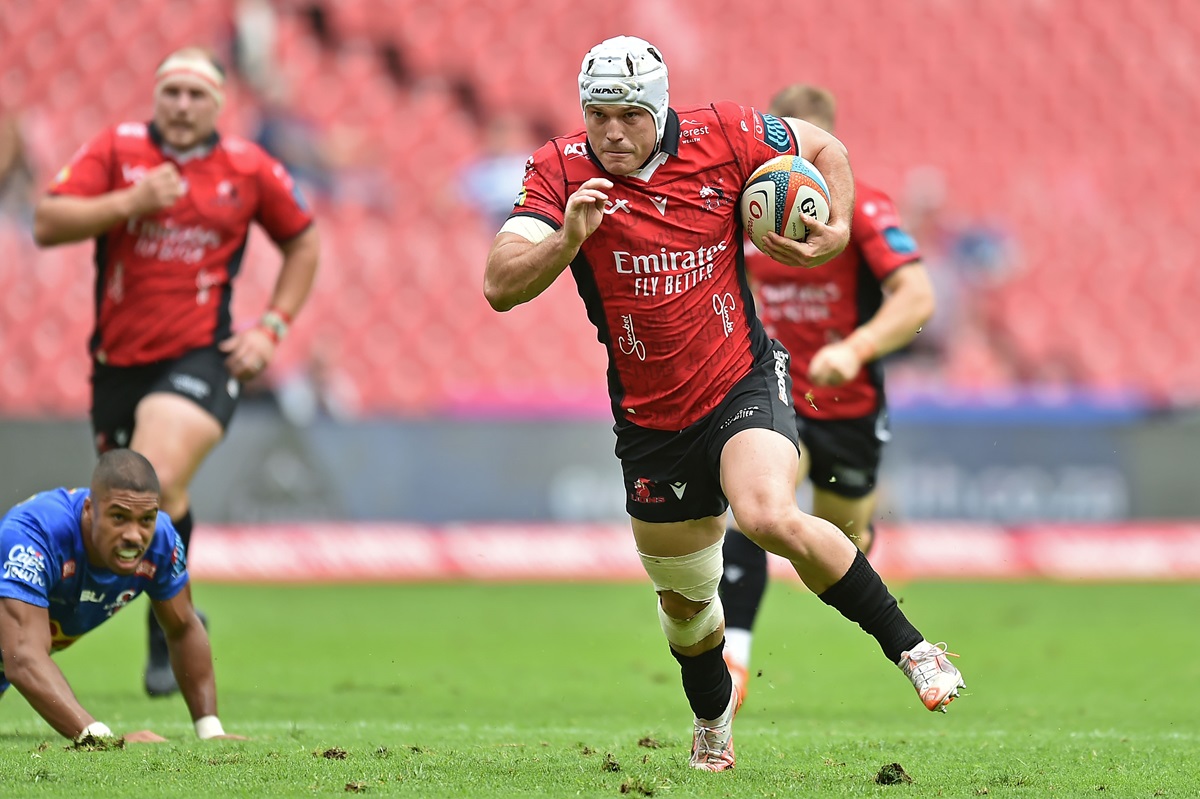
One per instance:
[(199, 151), (670, 139)]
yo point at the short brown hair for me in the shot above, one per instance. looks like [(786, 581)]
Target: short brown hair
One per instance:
[(811, 103)]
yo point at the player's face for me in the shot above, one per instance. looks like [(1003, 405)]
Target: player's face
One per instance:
[(184, 112), (622, 136), (122, 527)]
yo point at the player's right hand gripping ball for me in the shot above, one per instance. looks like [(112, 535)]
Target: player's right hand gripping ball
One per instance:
[(777, 193)]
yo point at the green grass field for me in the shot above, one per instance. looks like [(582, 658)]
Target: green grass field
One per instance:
[(479, 690)]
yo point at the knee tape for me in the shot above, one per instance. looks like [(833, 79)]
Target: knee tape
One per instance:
[(697, 628), (696, 577)]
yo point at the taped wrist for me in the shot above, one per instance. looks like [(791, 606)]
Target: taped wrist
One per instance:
[(208, 727), (97, 729), (275, 324)]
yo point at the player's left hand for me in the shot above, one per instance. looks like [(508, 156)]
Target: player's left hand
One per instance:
[(822, 244), (144, 737), (248, 352), (834, 364)]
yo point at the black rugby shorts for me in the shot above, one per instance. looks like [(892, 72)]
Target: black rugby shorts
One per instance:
[(844, 454), (199, 375), (676, 476)]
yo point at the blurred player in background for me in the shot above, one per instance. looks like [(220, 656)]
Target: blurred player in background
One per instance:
[(641, 206), (71, 559), (837, 322), (170, 204)]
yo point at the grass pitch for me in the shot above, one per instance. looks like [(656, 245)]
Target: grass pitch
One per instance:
[(472, 690)]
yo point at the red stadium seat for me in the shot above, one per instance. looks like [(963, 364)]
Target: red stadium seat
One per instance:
[(403, 261)]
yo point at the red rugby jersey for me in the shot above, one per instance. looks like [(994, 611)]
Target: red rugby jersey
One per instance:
[(808, 308), (163, 282), (663, 277)]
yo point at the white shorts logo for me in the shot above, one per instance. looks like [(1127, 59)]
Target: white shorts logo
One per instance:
[(191, 386), (781, 370)]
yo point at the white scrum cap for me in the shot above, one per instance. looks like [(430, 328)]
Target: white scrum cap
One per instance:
[(626, 70)]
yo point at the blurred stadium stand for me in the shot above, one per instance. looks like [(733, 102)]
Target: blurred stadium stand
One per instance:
[(1064, 124)]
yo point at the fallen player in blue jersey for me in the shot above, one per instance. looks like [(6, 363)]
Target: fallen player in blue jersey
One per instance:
[(69, 560)]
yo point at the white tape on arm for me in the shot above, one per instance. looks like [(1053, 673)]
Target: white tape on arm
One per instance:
[(528, 228)]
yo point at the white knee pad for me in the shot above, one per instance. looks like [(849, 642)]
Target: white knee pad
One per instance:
[(696, 577)]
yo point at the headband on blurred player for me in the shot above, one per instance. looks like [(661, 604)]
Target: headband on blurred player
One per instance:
[(196, 67)]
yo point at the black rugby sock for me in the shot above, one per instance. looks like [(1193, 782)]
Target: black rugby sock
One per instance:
[(743, 581), (706, 682), (862, 597), (183, 526)]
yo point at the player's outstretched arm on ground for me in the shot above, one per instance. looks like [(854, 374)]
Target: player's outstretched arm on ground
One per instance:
[(25, 633), (191, 660), (519, 269), (63, 219)]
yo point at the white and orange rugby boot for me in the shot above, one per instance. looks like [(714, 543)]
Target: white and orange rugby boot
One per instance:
[(936, 679)]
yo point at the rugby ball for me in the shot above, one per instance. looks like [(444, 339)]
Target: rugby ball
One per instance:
[(777, 193)]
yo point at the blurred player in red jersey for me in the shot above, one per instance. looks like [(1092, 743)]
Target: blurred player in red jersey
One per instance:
[(641, 206), (170, 204), (837, 322)]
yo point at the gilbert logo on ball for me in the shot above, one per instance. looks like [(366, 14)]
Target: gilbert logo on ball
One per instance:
[(777, 193)]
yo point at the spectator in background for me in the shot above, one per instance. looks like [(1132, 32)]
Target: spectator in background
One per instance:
[(74, 558), (16, 170), (317, 390), (490, 183), (967, 259), (317, 16), (255, 33), (395, 64), (838, 321), (298, 142), (641, 206), (169, 204)]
